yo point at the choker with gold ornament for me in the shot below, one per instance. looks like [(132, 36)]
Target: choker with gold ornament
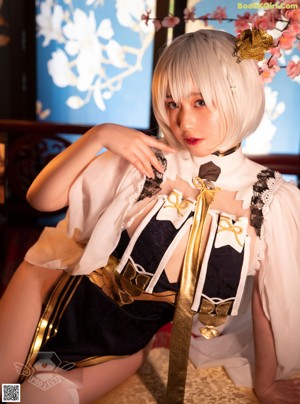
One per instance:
[(227, 152)]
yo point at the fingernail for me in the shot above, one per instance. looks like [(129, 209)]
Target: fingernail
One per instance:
[(149, 175)]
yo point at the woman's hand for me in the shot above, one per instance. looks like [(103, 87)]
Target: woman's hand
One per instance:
[(267, 389), (281, 392), (132, 145), (50, 190)]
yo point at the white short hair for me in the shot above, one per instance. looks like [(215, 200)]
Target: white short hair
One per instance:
[(232, 90)]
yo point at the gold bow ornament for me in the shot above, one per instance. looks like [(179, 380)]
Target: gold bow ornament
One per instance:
[(232, 234), (176, 209), (212, 315)]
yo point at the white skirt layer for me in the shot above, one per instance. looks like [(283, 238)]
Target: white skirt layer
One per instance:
[(233, 349)]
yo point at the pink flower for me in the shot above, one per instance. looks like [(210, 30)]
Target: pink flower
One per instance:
[(295, 26), (276, 14), (189, 14), (242, 22), (292, 30), (268, 72), (264, 22), (204, 18), (292, 14), (286, 42), (261, 22), (219, 14), (273, 16), (146, 17), (272, 61), (170, 21), (293, 69), (275, 52)]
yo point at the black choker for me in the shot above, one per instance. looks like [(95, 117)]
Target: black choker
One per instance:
[(227, 152)]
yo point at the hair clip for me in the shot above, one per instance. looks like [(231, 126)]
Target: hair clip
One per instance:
[(252, 44)]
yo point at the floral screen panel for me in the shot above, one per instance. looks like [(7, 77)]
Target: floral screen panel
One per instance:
[(279, 131), (94, 61)]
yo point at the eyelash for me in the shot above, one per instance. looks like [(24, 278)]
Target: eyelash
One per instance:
[(201, 102), (173, 105)]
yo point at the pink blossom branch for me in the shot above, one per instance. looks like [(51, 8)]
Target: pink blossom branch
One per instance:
[(267, 21)]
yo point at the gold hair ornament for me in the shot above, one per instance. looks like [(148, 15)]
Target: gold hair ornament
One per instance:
[(252, 44)]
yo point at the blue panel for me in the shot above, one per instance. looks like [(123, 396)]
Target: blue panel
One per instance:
[(280, 131), (82, 49)]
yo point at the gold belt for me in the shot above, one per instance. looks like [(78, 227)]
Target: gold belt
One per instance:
[(127, 287)]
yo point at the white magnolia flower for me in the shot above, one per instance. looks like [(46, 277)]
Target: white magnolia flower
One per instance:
[(59, 69), (88, 66), (273, 108), (49, 22), (107, 95), (41, 113), (97, 94), (88, 46), (95, 2), (81, 33), (296, 59), (105, 29), (116, 54), (75, 102), (129, 14), (260, 142), (83, 43)]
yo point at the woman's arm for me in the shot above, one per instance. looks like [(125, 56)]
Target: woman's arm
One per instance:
[(49, 191), (267, 389)]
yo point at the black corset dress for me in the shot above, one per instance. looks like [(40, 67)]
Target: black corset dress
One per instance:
[(116, 310), (92, 318)]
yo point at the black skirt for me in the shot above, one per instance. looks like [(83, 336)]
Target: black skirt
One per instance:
[(82, 324)]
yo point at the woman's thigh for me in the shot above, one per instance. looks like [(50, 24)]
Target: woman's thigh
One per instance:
[(82, 385), (20, 309), (98, 380)]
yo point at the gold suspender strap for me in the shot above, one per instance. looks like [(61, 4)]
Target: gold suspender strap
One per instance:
[(183, 318)]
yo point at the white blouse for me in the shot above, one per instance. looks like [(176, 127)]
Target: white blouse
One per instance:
[(103, 202)]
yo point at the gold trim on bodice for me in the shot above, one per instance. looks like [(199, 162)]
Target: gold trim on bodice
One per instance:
[(128, 286)]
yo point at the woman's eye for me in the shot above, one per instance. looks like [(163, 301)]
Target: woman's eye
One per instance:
[(172, 105), (200, 103)]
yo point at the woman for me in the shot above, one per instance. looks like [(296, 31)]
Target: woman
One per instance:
[(185, 229)]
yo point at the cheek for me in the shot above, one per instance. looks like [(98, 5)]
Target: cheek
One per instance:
[(216, 124), (172, 119), (214, 117)]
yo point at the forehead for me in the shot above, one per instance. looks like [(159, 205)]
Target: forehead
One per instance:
[(192, 94), (182, 90)]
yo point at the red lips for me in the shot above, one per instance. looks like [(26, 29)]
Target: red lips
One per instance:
[(192, 140)]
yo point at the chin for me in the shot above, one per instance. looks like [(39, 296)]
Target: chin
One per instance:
[(200, 153)]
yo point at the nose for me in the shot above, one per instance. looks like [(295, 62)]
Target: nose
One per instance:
[(185, 119)]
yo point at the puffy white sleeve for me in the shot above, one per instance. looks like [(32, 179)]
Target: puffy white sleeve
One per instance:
[(98, 202), (280, 273)]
